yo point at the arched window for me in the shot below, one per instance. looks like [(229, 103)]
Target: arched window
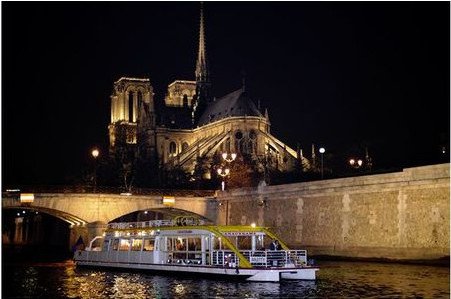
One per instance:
[(250, 147), (185, 146), (130, 106), (238, 135), (172, 149), (140, 99), (252, 135), (242, 146), (239, 141)]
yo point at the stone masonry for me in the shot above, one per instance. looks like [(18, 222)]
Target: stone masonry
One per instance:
[(403, 215)]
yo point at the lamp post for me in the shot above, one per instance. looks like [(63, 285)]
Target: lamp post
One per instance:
[(226, 158), (223, 173), (322, 150), (355, 163), (95, 153)]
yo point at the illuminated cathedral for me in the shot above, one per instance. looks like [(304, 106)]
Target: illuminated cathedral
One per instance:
[(192, 127)]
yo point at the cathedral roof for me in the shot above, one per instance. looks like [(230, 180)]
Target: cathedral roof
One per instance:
[(236, 103)]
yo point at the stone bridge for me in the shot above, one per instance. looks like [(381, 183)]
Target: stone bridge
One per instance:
[(88, 213)]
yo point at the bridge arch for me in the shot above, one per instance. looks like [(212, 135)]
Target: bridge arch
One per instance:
[(158, 214), (72, 220)]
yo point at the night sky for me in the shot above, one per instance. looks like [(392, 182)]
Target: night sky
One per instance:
[(340, 75)]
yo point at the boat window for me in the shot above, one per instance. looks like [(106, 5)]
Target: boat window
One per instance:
[(124, 245), (136, 244), (106, 243), (169, 245), (244, 242), (194, 244), (180, 244), (217, 243), (115, 244), (148, 244)]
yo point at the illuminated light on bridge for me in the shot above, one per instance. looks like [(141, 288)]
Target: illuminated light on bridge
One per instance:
[(168, 200), (26, 197)]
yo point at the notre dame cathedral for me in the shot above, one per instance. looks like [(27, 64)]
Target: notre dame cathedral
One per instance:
[(190, 131)]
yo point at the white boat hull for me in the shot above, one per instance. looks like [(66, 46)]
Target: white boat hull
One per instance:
[(269, 275)]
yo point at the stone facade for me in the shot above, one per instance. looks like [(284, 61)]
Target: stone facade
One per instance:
[(401, 215), (181, 93)]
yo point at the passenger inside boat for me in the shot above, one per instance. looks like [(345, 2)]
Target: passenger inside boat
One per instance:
[(275, 245)]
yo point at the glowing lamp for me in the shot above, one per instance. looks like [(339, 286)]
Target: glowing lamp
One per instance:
[(226, 158), (26, 197), (224, 172), (95, 153), (168, 200)]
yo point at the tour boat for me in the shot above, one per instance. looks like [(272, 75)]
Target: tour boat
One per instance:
[(191, 246)]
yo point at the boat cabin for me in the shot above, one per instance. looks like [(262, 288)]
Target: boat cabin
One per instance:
[(189, 241)]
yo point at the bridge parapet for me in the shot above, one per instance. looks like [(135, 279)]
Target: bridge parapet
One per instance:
[(81, 189), (102, 207)]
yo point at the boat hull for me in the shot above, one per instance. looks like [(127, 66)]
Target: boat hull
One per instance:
[(269, 275)]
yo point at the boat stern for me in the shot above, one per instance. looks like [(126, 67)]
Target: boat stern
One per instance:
[(308, 273), (275, 275)]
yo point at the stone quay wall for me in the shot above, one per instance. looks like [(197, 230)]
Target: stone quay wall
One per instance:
[(403, 215)]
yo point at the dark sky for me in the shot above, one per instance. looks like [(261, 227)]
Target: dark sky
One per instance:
[(340, 75)]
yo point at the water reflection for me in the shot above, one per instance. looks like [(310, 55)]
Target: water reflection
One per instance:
[(335, 279), (392, 280)]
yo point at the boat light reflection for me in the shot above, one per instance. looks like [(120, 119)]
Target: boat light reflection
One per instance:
[(179, 289)]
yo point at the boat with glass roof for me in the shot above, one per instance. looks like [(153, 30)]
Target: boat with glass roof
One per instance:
[(191, 246)]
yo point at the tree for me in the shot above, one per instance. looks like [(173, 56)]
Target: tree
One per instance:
[(244, 172)]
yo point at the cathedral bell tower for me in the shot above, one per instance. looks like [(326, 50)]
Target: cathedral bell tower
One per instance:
[(132, 117), (203, 84)]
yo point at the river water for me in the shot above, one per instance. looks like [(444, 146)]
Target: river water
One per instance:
[(336, 279)]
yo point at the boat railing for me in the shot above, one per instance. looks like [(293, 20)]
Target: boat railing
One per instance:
[(225, 258), (261, 258), (156, 223)]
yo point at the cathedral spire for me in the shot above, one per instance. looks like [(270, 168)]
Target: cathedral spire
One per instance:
[(313, 154), (202, 65), (203, 84)]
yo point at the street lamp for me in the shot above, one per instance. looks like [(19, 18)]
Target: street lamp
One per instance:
[(226, 158), (322, 150), (355, 163), (95, 153), (223, 173)]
